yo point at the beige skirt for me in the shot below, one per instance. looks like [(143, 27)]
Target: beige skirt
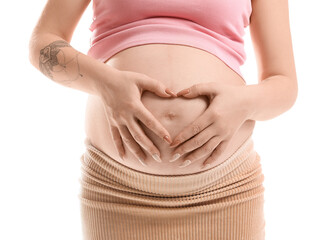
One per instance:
[(224, 203)]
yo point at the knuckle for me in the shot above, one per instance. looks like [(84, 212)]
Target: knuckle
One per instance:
[(109, 111), (118, 116), (113, 114), (208, 149), (159, 85), (196, 128), (179, 139), (197, 142), (216, 114), (195, 88), (126, 140), (183, 149), (149, 123), (131, 106), (137, 137)]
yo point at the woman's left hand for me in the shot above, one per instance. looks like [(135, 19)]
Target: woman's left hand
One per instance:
[(213, 130)]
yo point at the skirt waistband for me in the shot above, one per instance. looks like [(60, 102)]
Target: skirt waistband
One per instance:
[(108, 172)]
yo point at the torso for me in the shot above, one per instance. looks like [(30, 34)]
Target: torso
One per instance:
[(178, 67)]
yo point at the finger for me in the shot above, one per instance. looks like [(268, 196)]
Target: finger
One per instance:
[(118, 141), (194, 143), (216, 153), (208, 148), (132, 144), (194, 128), (115, 135), (152, 123), (155, 86), (140, 137), (198, 89)]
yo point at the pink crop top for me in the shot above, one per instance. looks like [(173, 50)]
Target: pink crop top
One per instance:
[(216, 26)]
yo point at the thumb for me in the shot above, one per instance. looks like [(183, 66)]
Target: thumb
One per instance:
[(156, 87), (198, 89)]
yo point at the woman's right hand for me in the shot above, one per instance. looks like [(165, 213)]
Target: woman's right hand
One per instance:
[(121, 97)]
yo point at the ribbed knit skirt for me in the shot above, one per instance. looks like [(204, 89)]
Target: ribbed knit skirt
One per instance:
[(222, 203)]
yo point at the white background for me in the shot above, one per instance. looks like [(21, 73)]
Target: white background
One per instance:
[(42, 133)]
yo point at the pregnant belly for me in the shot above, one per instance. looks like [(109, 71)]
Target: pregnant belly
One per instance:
[(178, 67)]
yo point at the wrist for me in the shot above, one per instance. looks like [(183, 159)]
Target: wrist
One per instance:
[(247, 101), (106, 76)]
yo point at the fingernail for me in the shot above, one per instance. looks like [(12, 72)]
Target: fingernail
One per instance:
[(185, 163), (156, 157), (183, 92), (167, 139), (174, 157), (142, 161), (170, 92)]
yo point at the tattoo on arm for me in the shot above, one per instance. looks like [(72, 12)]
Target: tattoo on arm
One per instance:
[(53, 63)]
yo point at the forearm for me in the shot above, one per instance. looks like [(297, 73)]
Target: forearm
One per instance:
[(63, 64), (270, 98)]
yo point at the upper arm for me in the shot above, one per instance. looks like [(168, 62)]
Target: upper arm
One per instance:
[(271, 38), (61, 17)]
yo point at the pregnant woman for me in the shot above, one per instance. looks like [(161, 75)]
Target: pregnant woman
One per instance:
[(169, 118)]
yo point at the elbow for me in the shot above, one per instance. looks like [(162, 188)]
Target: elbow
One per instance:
[(290, 90)]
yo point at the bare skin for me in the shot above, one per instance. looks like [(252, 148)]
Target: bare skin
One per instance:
[(171, 66), (53, 60), (178, 67)]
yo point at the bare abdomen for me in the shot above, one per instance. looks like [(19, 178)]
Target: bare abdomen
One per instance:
[(178, 67)]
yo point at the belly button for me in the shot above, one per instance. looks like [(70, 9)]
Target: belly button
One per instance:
[(170, 115)]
